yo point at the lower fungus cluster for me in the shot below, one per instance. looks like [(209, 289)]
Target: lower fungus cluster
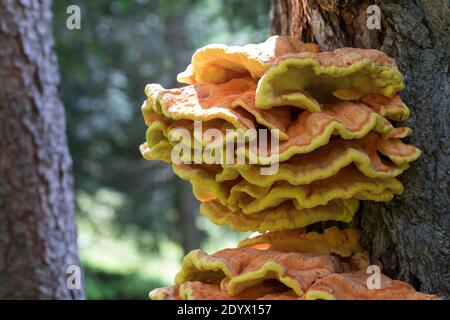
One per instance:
[(298, 266), (330, 113)]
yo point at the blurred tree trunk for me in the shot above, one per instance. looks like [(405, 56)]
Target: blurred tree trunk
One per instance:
[(410, 235), (186, 205), (37, 225)]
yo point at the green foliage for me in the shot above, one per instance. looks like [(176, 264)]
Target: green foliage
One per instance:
[(121, 198), (105, 285)]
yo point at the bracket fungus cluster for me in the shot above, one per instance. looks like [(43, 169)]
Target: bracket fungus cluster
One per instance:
[(331, 118)]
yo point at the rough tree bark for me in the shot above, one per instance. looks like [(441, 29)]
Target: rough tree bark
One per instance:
[(37, 225), (410, 235)]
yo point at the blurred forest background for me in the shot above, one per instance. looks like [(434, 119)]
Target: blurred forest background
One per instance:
[(135, 218)]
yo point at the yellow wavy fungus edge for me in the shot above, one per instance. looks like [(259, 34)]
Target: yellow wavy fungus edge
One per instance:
[(157, 146), (196, 290), (296, 175), (391, 108), (157, 149), (353, 285), (204, 186), (159, 130), (336, 286), (238, 112), (217, 63), (341, 242), (175, 134), (199, 266), (304, 196), (160, 105), (209, 73), (389, 80), (162, 150), (161, 139), (159, 293), (281, 217), (376, 123), (251, 199), (187, 292)]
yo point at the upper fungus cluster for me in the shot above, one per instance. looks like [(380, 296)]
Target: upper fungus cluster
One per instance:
[(333, 114)]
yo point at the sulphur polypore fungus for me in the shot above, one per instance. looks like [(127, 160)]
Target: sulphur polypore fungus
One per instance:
[(330, 113)]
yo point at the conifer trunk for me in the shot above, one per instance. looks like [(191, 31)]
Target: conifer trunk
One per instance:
[(411, 234), (37, 224)]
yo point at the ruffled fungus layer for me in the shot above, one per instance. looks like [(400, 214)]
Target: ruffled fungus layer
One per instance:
[(165, 293), (196, 290), (308, 79), (305, 168), (309, 132), (233, 101), (346, 184), (332, 241), (284, 216), (204, 135), (399, 152), (218, 63), (240, 269), (299, 168), (326, 161), (390, 108), (252, 199), (261, 274), (200, 104), (353, 286)]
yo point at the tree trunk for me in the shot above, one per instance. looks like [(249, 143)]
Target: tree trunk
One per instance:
[(411, 234), (186, 206), (37, 225)]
